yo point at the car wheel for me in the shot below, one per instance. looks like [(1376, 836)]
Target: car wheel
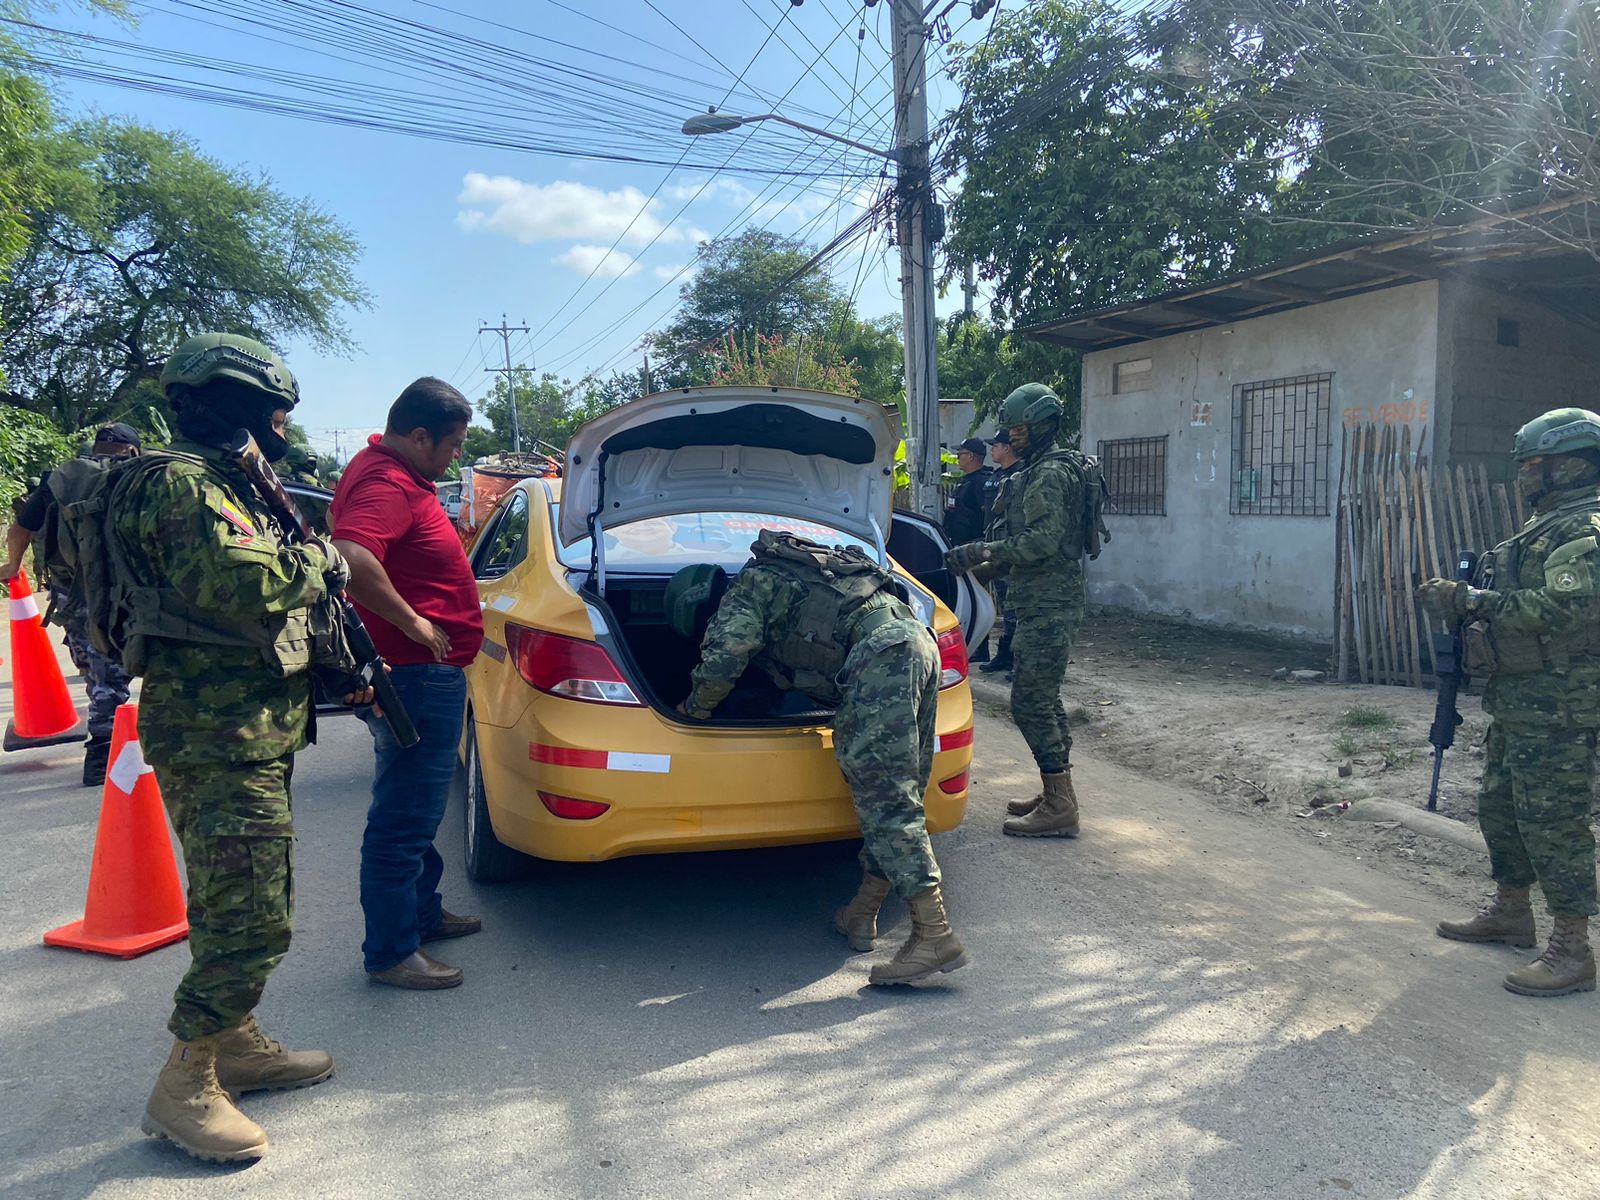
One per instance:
[(489, 860)]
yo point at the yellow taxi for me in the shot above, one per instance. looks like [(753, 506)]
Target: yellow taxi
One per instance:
[(572, 749)]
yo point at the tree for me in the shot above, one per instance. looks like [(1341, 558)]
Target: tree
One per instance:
[(549, 410), (146, 241), (1088, 175), (755, 283), (771, 359), (981, 361), (1399, 112), (25, 123)]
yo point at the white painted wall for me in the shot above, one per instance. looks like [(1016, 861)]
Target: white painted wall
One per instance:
[(1253, 572)]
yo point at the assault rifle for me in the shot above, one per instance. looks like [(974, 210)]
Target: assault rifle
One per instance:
[(1450, 673), (371, 670)]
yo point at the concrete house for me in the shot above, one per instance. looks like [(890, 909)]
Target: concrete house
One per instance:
[(1220, 411)]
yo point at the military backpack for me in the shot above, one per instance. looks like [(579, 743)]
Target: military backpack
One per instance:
[(837, 581), (1090, 534)]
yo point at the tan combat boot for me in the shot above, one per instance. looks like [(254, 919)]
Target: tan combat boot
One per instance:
[(190, 1108), (1056, 815), (1021, 808), (858, 920), (249, 1061), (933, 946), (1507, 918), (1567, 964)]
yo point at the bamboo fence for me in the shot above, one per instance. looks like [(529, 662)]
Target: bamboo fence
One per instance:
[(1402, 520)]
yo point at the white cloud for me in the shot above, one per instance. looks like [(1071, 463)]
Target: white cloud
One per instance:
[(669, 271), (534, 212), (606, 264), (729, 191)]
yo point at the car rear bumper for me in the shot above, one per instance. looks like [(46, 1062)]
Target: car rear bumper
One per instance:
[(671, 788)]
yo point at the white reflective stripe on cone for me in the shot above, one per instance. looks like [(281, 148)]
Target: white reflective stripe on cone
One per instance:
[(130, 765), (25, 608)]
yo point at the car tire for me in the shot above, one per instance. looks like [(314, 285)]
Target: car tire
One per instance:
[(489, 860)]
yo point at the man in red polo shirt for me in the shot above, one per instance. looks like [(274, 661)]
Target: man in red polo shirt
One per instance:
[(411, 580)]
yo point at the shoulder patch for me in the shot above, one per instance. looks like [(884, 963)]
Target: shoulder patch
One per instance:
[(1570, 569), (239, 520)]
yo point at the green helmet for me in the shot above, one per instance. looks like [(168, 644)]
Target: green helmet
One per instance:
[(688, 593), (209, 356), (1030, 404), (1559, 431)]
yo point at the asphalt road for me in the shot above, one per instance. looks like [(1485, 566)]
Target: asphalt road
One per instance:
[(1184, 1003)]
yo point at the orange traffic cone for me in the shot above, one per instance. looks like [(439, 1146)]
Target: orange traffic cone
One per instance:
[(135, 900), (42, 708)]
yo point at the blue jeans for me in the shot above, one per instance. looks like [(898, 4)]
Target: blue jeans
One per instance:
[(400, 868)]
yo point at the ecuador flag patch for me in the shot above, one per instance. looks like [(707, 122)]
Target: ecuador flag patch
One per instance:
[(240, 521)]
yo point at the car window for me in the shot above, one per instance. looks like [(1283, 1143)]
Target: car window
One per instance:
[(666, 543), (506, 540)]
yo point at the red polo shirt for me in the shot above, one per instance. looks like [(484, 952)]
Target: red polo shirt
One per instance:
[(383, 505)]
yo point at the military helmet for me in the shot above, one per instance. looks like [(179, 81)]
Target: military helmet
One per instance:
[(1559, 431), (209, 356), (1030, 404), (688, 592)]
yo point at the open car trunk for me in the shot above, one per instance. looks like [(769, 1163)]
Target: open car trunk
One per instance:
[(660, 660)]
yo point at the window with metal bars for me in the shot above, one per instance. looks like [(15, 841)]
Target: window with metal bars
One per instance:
[(1282, 441), (1136, 475)]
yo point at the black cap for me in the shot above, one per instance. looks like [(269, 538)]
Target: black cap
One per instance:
[(974, 446), (1003, 438), (117, 434)]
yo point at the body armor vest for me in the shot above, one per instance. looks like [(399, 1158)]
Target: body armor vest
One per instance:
[(847, 595)]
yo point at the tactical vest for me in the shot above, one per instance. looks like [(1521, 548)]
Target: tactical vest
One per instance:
[(839, 584), (125, 605), (1488, 651)]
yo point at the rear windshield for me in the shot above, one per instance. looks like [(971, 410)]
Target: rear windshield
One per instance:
[(666, 543)]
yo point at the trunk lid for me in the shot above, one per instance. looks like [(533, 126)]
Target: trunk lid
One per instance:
[(788, 452)]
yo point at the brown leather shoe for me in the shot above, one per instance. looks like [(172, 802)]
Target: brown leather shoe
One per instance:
[(451, 926), (419, 972)]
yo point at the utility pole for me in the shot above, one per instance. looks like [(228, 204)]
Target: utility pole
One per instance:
[(913, 205), (505, 331), (969, 287)]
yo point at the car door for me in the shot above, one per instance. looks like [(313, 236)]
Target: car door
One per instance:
[(919, 545), (497, 692)]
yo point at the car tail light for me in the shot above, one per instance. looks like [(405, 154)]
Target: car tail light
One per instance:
[(568, 667), (952, 658), (955, 784), (569, 809)]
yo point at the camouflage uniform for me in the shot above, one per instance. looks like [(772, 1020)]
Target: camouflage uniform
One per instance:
[(1541, 613), (1008, 494), (1043, 508), (887, 697), (221, 724)]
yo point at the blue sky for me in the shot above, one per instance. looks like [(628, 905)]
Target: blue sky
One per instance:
[(589, 254)]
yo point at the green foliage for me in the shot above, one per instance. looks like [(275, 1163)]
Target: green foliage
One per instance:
[(770, 359), (24, 116), (745, 285), (1089, 176), (549, 410), (145, 241), (29, 446), (981, 362), (1394, 112), (1366, 718)]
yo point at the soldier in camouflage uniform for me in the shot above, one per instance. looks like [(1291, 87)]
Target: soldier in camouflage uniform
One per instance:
[(833, 625), (1531, 625), (1041, 556), (219, 632)]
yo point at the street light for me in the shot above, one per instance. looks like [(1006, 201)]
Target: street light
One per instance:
[(915, 230), (721, 122)]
